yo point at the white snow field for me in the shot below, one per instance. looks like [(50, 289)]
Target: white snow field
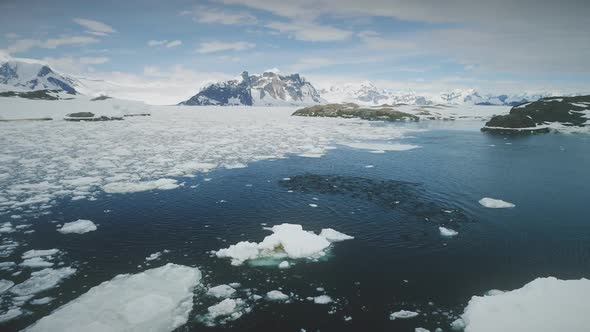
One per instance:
[(495, 203), (79, 226), (154, 300), (287, 240), (43, 161), (543, 305)]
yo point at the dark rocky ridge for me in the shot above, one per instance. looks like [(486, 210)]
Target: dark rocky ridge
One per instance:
[(351, 110), (533, 117)]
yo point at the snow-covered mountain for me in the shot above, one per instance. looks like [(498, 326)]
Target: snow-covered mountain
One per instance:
[(266, 89), (366, 93), (21, 75)]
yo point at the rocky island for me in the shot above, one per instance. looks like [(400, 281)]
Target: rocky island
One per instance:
[(541, 116), (351, 110)]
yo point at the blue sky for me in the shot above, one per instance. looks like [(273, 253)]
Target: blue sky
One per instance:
[(428, 45)]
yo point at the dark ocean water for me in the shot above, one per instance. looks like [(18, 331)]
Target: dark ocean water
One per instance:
[(398, 260)]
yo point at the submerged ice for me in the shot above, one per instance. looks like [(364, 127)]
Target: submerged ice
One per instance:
[(287, 241)]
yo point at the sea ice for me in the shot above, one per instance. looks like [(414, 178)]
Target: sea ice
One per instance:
[(287, 240), (133, 187), (284, 265), (36, 262), (10, 314), (403, 314), (495, 203), (322, 299), (223, 308), (333, 235), (543, 305), (39, 253), (382, 146), (79, 226), (276, 295), (221, 291), (42, 280), (154, 300), (42, 301), (5, 285), (447, 231)]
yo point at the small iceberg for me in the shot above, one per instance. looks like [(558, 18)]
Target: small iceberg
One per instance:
[(79, 226), (287, 241), (495, 203), (447, 231), (403, 314)]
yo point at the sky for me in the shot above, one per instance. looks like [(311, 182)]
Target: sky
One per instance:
[(500, 46)]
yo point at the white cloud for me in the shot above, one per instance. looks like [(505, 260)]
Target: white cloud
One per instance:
[(164, 43), (75, 65), (308, 31), (23, 45), (174, 43), (204, 14), (217, 46), (11, 35), (95, 27)]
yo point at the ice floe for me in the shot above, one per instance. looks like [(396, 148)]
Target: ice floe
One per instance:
[(221, 291), (287, 240), (133, 187), (277, 295), (447, 231), (79, 226), (333, 235), (403, 314), (154, 300), (322, 299), (44, 162), (12, 313), (495, 203), (5, 285), (42, 301), (284, 265), (543, 305), (42, 280)]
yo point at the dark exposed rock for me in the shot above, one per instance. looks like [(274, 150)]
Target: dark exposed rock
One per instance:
[(89, 116), (350, 110), (37, 94), (531, 118), (102, 97)]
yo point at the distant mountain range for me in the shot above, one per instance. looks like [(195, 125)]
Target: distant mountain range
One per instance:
[(30, 76), (266, 89)]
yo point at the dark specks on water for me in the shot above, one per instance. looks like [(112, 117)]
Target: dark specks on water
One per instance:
[(398, 260)]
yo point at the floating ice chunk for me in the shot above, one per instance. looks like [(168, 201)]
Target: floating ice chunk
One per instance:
[(235, 285), (36, 262), (495, 203), (42, 280), (5, 285), (221, 291), (322, 299), (333, 235), (447, 231), (403, 314), (156, 255), (7, 265), (223, 308), (42, 301), (287, 240), (39, 253), (133, 187), (276, 295), (493, 292), (313, 205), (421, 329), (543, 305), (79, 226), (284, 265), (458, 325), (12, 313), (154, 300)]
